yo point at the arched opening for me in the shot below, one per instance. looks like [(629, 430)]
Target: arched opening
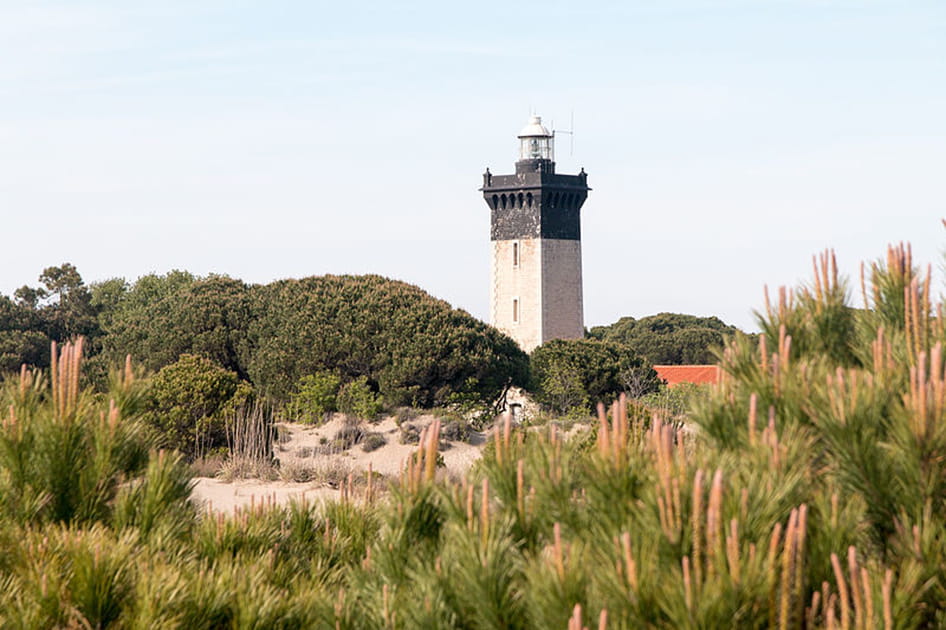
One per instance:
[(495, 202), (529, 199), (502, 200), (520, 200)]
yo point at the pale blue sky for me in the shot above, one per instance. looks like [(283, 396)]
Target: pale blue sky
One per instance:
[(726, 141)]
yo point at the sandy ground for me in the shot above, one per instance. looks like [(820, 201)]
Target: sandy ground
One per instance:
[(222, 496), (301, 448)]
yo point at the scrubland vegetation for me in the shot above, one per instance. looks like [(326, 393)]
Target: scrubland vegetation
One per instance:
[(668, 338), (807, 490), (411, 348), (306, 348)]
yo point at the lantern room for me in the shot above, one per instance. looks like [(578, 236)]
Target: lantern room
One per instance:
[(535, 141)]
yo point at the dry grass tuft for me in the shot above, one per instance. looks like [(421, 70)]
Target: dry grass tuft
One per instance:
[(249, 440)]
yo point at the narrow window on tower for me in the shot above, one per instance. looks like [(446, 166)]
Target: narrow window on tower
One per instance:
[(515, 254), (515, 310)]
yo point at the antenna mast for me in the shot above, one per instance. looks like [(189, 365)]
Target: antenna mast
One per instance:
[(570, 133)]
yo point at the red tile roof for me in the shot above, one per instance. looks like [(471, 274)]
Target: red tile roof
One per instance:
[(676, 374)]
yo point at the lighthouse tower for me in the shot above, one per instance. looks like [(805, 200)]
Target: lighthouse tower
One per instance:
[(535, 229)]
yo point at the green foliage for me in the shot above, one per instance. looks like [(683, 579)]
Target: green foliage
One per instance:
[(162, 317), (59, 311), (357, 399), (189, 401), (677, 401), (68, 312), (64, 457), (21, 338), (487, 576), (158, 501), (560, 386), (818, 318), (314, 398), (669, 338), (416, 349), (372, 442), (805, 490), (576, 374)]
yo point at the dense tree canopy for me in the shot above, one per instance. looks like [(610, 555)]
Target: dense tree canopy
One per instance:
[(162, 317), (669, 338), (58, 310), (414, 349), (66, 309), (409, 347), (576, 374), (22, 336)]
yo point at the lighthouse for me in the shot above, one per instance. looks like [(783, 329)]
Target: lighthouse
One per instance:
[(535, 231)]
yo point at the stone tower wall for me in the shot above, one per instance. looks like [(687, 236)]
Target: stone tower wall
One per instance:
[(522, 282), (562, 305), (547, 285)]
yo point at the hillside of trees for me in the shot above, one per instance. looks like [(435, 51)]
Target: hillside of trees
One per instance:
[(409, 348), (214, 343), (412, 349), (391, 341), (669, 338)]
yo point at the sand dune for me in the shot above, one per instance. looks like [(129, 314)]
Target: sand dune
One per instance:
[(303, 449)]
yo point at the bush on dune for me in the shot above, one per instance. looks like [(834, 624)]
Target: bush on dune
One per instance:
[(190, 401), (415, 349), (412, 348)]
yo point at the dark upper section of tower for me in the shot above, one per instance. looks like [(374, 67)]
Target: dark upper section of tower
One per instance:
[(535, 202)]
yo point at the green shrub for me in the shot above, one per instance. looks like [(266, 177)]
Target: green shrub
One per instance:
[(372, 442), (357, 399), (455, 431), (159, 500), (189, 401), (409, 434), (64, 456), (314, 398), (351, 433), (573, 375), (677, 401)]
